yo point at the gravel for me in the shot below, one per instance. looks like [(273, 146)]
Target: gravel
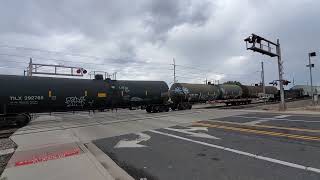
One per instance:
[(5, 145), (293, 105)]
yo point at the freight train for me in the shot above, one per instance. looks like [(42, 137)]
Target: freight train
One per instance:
[(22, 95), (230, 93)]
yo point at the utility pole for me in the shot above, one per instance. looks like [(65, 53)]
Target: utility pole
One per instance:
[(293, 83), (205, 81), (266, 47), (174, 71), (312, 54), (262, 79), (29, 72), (115, 75)]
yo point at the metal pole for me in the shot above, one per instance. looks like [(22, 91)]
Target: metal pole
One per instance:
[(174, 70), (310, 69), (30, 68), (262, 79), (282, 106)]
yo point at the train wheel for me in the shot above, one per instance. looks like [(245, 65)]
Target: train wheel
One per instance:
[(190, 106), (161, 108), (167, 109), (149, 109), (155, 109), (174, 107), (22, 119)]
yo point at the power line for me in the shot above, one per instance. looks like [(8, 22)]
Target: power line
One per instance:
[(50, 51), (17, 67), (69, 54)]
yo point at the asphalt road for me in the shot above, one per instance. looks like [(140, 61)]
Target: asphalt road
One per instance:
[(253, 146)]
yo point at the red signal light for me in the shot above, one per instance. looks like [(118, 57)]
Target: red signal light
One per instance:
[(78, 71)]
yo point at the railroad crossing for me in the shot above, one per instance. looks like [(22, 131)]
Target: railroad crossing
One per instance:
[(192, 144)]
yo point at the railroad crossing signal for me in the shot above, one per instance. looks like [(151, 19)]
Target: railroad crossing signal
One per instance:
[(50, 69), (312, 65), (259, 44), (284, 82), (312, 54)]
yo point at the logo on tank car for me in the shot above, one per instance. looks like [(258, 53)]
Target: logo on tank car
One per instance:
[(124, 89), (182, 90), (75, 101)]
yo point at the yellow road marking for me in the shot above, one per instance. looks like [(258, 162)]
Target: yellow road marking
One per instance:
[(271, 127), (293, 136)]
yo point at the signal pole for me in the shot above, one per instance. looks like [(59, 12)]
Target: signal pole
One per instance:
[(280, 69), (264, 46), (262, 79), (312, 54)]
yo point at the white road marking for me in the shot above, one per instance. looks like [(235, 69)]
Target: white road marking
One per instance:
[(133, 143), (194, 134), (276, 161), (277, 119), (6, 151), (198, 129), (256, 122), (281, 116)]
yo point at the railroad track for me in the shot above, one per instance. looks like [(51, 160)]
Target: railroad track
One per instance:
[(254, 104), (6, 132)]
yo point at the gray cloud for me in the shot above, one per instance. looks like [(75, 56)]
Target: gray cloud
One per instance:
[(164, 15), (139, 38)]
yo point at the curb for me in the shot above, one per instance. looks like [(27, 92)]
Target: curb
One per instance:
[(115, 171)]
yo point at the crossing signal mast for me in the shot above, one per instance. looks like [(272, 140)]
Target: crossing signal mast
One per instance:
[(49, 69), (261, 45)]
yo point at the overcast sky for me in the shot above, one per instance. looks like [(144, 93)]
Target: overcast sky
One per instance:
[(138, 39)]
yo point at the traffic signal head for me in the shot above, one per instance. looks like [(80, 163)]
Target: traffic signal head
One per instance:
[(312, 54), (286, 82)]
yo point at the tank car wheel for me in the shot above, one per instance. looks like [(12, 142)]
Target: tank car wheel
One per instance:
[(149, 109), (155, 109), (174, 107), (180, 107), (167, 109), (161, 108)]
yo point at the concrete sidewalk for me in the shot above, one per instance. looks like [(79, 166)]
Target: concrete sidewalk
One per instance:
[(55, 155)]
